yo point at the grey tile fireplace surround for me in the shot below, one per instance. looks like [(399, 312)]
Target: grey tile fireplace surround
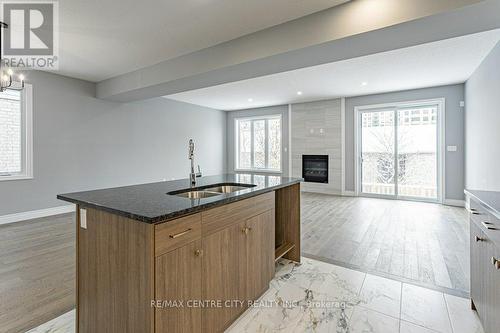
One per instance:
[(316, 129)]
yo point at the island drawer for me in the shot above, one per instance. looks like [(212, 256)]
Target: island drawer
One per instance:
[(221, 217), (176, 233)]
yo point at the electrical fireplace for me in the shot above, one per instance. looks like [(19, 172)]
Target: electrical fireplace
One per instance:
[(315, 168)]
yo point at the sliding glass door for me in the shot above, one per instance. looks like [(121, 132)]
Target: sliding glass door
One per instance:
[(398, 149)]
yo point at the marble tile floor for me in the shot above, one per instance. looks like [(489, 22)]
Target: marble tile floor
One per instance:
[(320, 297)]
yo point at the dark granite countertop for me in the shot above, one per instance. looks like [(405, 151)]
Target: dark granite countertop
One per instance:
[(150, 203), (489, 199)]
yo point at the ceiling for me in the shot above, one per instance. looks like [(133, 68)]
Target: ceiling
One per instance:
[(433, 64), (100, 39)]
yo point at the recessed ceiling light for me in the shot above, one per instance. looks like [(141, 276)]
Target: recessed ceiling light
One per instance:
[(250, 99), (364, 83), (299, 93)]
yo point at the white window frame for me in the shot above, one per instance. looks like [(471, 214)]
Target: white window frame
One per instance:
[(236, 145), (27, 137)]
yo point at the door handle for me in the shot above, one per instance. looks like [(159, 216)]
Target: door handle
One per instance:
[(479, 239), (198, 253), (488, 226), (246, 230)]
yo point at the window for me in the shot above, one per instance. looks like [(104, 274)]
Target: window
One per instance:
[(258, 143), (15, 134)]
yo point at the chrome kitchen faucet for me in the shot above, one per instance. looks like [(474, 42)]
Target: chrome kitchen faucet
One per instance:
[(193, 175)]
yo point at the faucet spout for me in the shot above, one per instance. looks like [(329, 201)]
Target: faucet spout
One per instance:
[(192, 175)]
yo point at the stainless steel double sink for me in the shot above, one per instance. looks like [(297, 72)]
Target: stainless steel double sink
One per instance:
[(210, 190)]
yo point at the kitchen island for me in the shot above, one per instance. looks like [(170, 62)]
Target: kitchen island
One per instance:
[(170, 257)]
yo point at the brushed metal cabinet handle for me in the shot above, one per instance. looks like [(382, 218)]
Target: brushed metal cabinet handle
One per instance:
[(180, 233), (479, 239)]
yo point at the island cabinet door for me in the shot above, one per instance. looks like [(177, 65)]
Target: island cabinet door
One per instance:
[(177, 285), (224, 277), (259, 232)]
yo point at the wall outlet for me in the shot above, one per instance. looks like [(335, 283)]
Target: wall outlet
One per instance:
[(83, 218), (451, 148)]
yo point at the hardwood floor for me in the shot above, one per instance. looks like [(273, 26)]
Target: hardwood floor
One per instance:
[(37, 271), (421, 243)]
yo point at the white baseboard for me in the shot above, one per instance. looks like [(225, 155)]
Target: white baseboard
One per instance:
[(454, 202), (349, 193), (34, 214)]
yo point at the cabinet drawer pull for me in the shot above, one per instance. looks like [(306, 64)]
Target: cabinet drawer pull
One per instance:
[(246, 229), (198, 253), (495, 262), (479, 239), (488, 226), (180, 233)]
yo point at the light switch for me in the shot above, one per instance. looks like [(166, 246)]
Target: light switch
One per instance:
[(451, 148), (83, 218)]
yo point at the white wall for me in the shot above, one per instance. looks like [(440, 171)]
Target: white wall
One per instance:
[(83, 143), (482, 125)]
